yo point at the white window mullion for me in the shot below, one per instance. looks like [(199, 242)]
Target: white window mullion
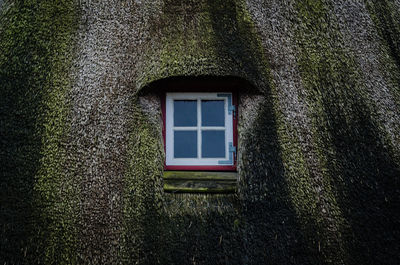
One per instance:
[(213, 128), (198, 129), (189, 128)]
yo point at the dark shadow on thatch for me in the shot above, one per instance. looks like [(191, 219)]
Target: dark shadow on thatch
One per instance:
[(19, 151), (235, 39), (151, 237), (368, 193), (361, 169), (203, 83), (203, 232), (19, 156), (271, 232), (30, 41), (387, 27)]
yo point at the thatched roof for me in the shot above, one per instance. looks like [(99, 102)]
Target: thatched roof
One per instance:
[(82, 152)]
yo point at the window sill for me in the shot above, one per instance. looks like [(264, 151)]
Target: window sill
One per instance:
[(199, 182)]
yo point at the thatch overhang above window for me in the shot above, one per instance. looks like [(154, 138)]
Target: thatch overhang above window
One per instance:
[(209, 38)]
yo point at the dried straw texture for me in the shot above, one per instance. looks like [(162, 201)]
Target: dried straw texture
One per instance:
[(81, 145)]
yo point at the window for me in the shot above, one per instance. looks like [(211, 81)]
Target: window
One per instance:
[(200, 131)]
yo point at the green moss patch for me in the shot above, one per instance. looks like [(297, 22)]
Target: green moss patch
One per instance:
[(35, 56), (347, 139), (214, 38)]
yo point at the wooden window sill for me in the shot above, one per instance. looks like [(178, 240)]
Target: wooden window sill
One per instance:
[(199, 182)]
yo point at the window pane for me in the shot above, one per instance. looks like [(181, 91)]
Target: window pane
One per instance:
[(185, 144), (212, 113), (213, 144), (185, 113)]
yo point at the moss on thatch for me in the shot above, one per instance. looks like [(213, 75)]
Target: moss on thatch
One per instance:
[(82, 150), (38, 200), (348, 137), (198, 38)]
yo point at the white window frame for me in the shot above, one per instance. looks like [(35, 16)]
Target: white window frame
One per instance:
[(169, 127)]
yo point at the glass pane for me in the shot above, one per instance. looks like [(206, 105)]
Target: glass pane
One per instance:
[(212, 113), (213, 144), (185, 113), (185, 144)]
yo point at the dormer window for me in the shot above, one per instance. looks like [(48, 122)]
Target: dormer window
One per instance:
[(200, 131)]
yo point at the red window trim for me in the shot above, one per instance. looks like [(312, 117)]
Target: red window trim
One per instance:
[(181, 87)]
